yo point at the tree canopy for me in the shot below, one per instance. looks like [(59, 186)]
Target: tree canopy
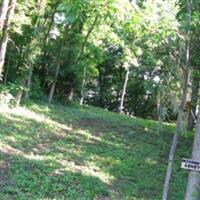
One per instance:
[(139, 58)]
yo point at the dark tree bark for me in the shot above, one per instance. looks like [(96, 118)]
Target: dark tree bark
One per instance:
[(3, 13), (86, 39), (58, 65), (4, 41), (46, 59), (51, 22), (79, 56), (6, 71), (193, 103), (39, 8), (53, 86)]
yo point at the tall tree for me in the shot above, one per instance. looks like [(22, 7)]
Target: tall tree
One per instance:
[(5, 35), (193, 103), (121, 106), (81, 54), (3, 12), (58, 63), (193, 185), (181, 108), (33, 44)]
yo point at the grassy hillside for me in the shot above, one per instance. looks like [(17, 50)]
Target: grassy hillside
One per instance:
[(85, 153)]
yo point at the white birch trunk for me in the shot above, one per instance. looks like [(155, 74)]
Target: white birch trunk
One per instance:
[(29, 83), (181, 110), (83, 86), (121, 106), (3, 13), (4, 41), (193, 185), (53, 86)]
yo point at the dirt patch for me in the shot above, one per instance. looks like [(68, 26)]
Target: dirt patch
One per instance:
[(9, 150), (4, 179), (42, 147), (102, 198), (93, 122), (97, 126), (3, 167)]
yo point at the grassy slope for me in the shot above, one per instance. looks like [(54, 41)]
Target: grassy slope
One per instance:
[(84, 153)]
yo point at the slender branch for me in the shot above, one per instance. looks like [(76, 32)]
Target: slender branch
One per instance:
[(86, 39)]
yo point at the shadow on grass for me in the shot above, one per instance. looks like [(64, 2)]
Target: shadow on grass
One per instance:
[(79, 155), (38, 179)]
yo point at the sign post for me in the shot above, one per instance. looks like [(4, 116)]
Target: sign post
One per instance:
[(190, 164)]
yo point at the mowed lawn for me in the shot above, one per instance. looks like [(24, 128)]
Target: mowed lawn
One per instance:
[(72, 153)]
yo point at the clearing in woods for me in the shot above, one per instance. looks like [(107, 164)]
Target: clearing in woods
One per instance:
[(73, 153)]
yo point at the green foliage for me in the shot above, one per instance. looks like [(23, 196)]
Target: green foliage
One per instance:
[(11, 88), (82, 49), (36, 89), (144, 37)]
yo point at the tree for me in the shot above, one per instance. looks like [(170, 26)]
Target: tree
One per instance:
[(81, 54), (193, 103), (5, 35), (181, 108), (58, 65), (124, 91), (34, 43), (192, 191), (3, 13)]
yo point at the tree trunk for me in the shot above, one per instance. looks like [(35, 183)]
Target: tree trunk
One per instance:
[(181, 110), (6, 71), (29, 83), (19, 94), (70, 96), (193, 103), (83, 86), (18, 97), (4, 41), (45, 53), (39, 8), (3, 13), (79, 56), (121, 106), (53, 86), (193, 185), (58, 64), (86, 39), (101, 87), (5, 77), (159, 109)]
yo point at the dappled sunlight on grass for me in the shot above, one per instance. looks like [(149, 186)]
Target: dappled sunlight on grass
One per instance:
[(27, 114), (90, 169), (70, 153), (151, 161), (9, 150)]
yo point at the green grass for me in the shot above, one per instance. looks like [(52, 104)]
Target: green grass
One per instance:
[(74, 153)]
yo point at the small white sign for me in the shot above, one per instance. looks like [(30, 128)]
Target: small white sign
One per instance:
[(190, 164)]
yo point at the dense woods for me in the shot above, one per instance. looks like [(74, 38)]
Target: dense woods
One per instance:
[(134, 57), (120, 55)]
